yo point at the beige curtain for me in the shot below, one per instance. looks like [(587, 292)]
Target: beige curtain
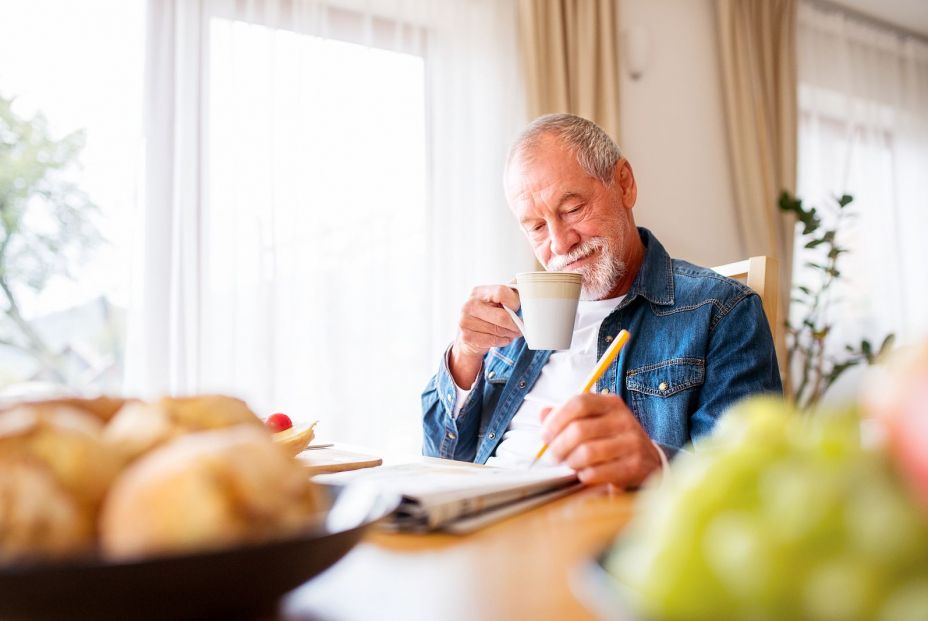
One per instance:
[(570, 54), (757, 43)]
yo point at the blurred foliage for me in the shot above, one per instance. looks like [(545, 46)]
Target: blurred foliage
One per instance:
[(46, 222), (806, 338)]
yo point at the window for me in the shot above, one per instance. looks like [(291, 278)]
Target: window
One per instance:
[(863, 131), (314, 232), (65, 297)]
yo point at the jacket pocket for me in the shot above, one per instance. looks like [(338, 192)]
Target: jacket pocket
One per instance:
[(667, 378), (663, 394)]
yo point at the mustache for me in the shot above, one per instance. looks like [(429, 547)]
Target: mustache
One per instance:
[(559, 262)]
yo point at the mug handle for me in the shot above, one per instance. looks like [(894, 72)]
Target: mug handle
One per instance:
[(512, 314)]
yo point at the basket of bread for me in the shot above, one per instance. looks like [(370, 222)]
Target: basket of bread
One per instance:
[(175, 508)]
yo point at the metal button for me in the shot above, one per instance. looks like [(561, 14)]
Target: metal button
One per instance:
[(491, 374), (522, 384), (451, 435), (662, 386), (609, 339), (605, 391), (491, 435)]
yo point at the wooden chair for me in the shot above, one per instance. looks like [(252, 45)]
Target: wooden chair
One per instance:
[(761, 275)]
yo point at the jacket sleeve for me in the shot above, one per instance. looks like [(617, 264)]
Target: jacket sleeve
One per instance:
[(444, 435), (741, 361)]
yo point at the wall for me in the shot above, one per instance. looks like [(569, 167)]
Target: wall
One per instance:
[(673, 131)]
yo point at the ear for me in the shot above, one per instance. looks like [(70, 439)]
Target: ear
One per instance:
[(625, 182)]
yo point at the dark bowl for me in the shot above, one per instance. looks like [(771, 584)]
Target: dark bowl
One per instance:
[(241, 582)]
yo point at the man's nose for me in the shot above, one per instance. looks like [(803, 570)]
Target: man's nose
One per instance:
[(562, 238)]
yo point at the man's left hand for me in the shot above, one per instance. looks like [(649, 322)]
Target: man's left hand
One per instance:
[(599, 437)]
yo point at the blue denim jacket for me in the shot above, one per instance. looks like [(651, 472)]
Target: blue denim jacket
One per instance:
[(699, 342)]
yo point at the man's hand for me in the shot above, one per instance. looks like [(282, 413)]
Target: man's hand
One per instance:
[(483, 324), (599, 437)]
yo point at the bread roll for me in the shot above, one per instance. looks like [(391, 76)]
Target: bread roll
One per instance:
[(103, 408), (38, 518), (54, 472), (207, 490), (138, 426)]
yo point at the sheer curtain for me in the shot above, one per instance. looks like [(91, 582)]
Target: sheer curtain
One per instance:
[(863, 130), (324, 187)]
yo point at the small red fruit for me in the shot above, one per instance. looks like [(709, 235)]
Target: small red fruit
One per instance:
[(278, 422)]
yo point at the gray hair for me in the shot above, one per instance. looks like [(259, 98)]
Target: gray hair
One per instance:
[(595, 151)]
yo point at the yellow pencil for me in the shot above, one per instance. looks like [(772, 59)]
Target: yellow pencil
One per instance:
[(611, 352)]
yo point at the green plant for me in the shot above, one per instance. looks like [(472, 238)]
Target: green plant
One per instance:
[(806, 338), (46, 223)]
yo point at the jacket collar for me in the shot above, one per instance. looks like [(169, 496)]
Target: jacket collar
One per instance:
[(654, 281)]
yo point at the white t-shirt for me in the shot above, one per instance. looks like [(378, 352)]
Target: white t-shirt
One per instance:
[(560, 378)]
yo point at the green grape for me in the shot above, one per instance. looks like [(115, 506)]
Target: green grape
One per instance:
[(907, 603), (761, 420), (778, 516), (830, 436), (677, 586), (839, 590), (881, 525), (737, 551), (793, 498)]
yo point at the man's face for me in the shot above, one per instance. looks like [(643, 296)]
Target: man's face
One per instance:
[(574, 222)]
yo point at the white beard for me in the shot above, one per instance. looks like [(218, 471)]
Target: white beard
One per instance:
[(598, 278)]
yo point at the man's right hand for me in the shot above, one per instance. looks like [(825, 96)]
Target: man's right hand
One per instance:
[(483, 324)]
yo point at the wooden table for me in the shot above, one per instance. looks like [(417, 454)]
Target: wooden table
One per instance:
[(519, 568)]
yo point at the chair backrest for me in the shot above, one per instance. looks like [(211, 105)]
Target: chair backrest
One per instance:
[(761, 275)]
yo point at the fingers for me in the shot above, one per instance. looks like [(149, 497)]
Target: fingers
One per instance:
[(484, 323), (476, 335), (628, 471), (598, 437), (497, 294), (477, 344), (486, 303), (600, 451), (618, 472), (582, 406), (499, 320), (544, 412), (581, 431)]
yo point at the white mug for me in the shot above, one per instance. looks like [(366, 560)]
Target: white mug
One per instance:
[(549, 308)]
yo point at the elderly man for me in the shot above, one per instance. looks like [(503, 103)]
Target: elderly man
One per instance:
[(699, 342)]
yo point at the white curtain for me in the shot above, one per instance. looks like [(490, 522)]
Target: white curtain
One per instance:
[(863, 131), (324, 187)]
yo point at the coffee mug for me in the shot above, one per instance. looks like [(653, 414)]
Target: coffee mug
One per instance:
[(549, 308)]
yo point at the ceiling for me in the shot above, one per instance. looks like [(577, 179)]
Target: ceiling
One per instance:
[(908, 14)]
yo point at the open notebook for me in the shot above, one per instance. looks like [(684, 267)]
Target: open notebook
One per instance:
[(459, 498)]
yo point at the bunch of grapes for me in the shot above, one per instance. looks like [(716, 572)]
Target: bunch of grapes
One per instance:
[(777, 516)]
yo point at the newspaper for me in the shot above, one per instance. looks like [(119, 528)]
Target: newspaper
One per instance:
[(459, 497)]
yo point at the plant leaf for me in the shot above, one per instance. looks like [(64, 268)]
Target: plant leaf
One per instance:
[(886, 345)]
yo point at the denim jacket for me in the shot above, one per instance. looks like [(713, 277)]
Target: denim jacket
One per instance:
[(699, 342)]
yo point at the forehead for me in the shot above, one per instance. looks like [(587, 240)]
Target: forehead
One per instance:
[(543, 174)]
